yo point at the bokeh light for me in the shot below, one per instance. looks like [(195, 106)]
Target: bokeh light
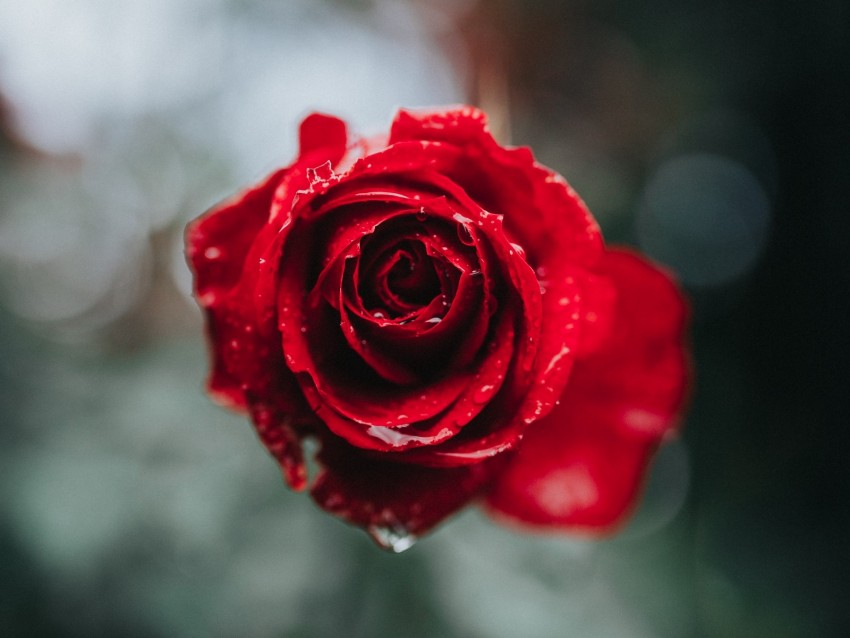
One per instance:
[(706, 217)]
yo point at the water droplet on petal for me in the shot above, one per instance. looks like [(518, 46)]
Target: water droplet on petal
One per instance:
[(395, 538), (483, 394), (213, 252), (464, 235)]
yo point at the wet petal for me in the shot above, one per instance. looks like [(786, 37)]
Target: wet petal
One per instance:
[(583, 464), (394, 502), (218, 241), (541, 211), (276, 430), (569, 474), (217, 245), (322, 138)]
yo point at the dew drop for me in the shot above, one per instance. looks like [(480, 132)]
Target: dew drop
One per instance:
[(395, 538), (421, 215), (433, 320), (213, 252), (208, 299), (483, 394), (464, 235)]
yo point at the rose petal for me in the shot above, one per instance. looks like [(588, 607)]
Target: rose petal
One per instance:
[(373, 342), (541, 211), (275, 429), (640, 373), (503, 422), (322, 138), (217, 244), (353, 404), (218, 241), (395, 503), (570, 477), (582, 465)]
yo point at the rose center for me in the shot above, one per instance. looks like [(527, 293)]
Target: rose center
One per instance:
[(412, 277), (401, 280)]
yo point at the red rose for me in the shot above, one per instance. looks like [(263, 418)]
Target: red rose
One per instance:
[(440, 314)]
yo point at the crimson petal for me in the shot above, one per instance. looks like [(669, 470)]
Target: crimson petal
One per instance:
[(582, 465), (395, 503), (217, 244), (542, 212)]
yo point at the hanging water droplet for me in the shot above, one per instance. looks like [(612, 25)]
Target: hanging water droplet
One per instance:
[(395, 538), (421, 215)]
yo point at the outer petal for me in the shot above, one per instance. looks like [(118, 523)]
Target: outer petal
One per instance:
[(323, 135), (394, 502), (582, 465), (218, 241), (217, 244), (541, 211)]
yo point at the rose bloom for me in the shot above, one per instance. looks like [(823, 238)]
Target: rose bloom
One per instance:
[(441, 315)]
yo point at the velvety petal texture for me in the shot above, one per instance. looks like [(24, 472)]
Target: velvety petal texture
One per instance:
[(440, 314)]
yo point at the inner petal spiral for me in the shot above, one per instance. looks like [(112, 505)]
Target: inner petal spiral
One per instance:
[(400, 280)]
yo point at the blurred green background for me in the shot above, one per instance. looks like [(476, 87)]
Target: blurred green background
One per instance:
[(713, 135)]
